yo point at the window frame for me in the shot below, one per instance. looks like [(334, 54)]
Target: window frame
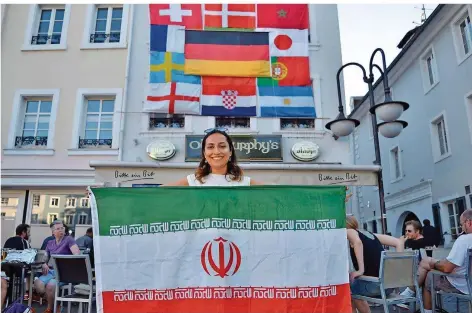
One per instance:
[(39, 200), (8, 200), (54, 205), (68, 205), (49, 221), (425, 73), (17, 117), (461, 56), (90, 26), (79, 119), (393, 166), (84, 206), (437, 156), (82, 214), (33, 24)]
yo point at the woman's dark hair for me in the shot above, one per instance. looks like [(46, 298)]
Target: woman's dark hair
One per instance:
[(234, 172)]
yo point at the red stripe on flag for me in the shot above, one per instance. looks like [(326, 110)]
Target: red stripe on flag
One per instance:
[(213, 21), (226, 52), (213, 85), (149, 303), (241, 21), (172, 98), (213, 7), (242, 7)]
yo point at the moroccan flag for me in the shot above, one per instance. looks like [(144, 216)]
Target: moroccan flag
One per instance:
[(173, 98), (233, 54), (188, 15), (169, 67), (264, 249), (230, 16), (280, 15), (288, 71), (286, 101), (229, 96)]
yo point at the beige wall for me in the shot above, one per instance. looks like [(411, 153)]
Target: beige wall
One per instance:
[(65, 70)]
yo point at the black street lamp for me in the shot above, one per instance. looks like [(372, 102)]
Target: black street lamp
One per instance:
[(388, 111)]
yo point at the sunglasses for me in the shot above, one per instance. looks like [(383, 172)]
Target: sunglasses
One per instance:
[(221, 129)]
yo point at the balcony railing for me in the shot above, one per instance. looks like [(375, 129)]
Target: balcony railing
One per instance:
[(46, 39), (89, 143), (30, 141), (102, 37)]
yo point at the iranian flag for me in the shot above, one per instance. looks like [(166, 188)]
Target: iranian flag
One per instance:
[(218, 249)]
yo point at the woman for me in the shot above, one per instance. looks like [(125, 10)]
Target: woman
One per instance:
[(218, 165), (366, 250)]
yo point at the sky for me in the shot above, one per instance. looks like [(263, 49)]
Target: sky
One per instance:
[(365, 27)]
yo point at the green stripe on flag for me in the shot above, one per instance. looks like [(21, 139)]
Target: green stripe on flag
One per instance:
[(136, 207)]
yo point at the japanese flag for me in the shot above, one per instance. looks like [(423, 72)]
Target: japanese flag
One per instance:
[(287, 42)]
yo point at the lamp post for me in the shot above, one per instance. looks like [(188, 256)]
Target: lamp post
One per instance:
[(388, 111)]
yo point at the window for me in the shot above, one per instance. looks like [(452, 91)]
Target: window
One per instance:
[(54, 202), (69, 220), (32, 122), (106, 26), (70, 202), (83, 219), (3, 214), (4, 201), (35, 128), (455, 209), (84, 202), (233, 122), (98, 130), (61, 205), (159, 121), (440, 138), (395, 165), (297, 123), (36, 200), (429, 70), (462, 34), (96, 122), (52, 217), (47, 27)]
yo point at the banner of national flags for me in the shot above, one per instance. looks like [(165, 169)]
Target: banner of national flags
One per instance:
[(230, 60)]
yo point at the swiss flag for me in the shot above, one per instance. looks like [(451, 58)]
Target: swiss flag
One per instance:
[(294, 16), (188, 15)]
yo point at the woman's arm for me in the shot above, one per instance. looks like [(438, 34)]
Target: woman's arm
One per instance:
[(387, 240), (182, 182), (356, 243)]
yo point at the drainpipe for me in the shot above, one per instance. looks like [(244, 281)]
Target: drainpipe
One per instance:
[(125, 90)]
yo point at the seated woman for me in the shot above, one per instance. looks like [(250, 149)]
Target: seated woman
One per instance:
[(366, 250)]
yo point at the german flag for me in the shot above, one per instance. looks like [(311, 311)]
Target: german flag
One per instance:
[(221, 53)]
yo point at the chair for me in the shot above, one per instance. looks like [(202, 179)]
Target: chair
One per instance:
[(468, 278), (397, 270), (73, 269)]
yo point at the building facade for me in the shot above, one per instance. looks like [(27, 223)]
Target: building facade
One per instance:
[(63, 78), (427, 169), (160, 148)]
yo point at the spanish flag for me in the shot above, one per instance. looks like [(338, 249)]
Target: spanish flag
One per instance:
[(221, 53)]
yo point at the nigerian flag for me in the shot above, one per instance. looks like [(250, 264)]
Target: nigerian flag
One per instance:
[(218, 249)]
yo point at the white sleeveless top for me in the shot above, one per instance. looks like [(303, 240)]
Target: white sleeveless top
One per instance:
[(217, 180)]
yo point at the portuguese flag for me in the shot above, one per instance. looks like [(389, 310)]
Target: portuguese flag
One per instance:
[(287, 71), (221, 250)]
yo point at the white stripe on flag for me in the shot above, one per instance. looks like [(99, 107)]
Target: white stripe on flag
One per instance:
[(271, 101), (225, 13), (241, 101), (175, 38), (277, 258)]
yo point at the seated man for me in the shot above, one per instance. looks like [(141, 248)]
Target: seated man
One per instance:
[(454, 263), (85, 244), (4, 289), (61, 244)]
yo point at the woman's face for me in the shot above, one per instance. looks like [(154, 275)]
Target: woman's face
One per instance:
[(217, 151)]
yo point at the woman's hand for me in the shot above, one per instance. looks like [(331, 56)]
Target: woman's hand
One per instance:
[(45, 269), (354, 275)]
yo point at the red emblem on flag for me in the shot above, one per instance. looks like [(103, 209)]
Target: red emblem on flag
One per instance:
[(188, 15), (222, 267), (229, 98)]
